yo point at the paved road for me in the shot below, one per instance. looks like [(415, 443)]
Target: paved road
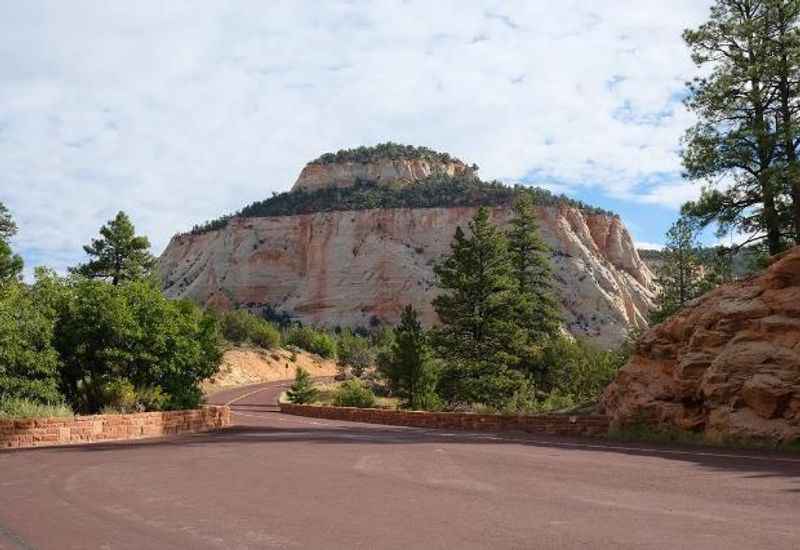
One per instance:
[(276, 481)]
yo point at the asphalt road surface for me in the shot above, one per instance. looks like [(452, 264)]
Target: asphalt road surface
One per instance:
[(277, 481)]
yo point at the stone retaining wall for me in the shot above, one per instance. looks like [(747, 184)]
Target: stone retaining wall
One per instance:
[(556, 424), (41, 432)]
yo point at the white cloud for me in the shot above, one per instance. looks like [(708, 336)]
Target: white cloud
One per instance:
[(644, 245), (178, 112)]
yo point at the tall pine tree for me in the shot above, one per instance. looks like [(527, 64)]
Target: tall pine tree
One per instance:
[(735, 134), (681, 275), (119, 254), (477, 307), (539, 310)]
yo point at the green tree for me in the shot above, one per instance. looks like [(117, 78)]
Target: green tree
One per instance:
[(784, 68), (10, 263), (129, 332), (539, 312), (29, 365), (303, 390), (410, 368), (480, 335), (119, 254), (734, 136), (477, 306), (681, 274)]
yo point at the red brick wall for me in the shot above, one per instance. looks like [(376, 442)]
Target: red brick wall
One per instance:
[(40, 432), (594, 425)]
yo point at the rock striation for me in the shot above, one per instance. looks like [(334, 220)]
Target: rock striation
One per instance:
[(355, 268), (727, 366), (318, 175)]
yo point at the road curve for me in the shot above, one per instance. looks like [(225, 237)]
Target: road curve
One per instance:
[(277, 481)]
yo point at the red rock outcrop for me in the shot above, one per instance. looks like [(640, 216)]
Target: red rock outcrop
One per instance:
[(728, 365), (346, 268)]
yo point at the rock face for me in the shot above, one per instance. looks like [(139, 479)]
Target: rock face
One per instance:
[(728, 365), (351, 268), (344, 174)]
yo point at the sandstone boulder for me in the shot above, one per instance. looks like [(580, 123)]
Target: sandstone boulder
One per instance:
[(728, 365)]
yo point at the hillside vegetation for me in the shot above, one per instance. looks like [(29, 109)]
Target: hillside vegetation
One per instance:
[(388, 150), (436, 191)]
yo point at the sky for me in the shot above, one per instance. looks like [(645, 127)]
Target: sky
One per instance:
[(178, 112)]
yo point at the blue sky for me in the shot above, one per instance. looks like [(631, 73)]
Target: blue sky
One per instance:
[(177, 112)]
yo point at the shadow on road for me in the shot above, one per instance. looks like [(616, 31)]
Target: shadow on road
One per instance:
[(755, 464)]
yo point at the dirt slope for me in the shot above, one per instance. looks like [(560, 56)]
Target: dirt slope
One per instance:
[(243, 366)]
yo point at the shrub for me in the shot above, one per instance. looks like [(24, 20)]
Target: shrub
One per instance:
[(302, 391), (17, 407), (312, 340), (355, 352), (29, 365), (119, 396), (578, 369), (240, 326), (353, 393)]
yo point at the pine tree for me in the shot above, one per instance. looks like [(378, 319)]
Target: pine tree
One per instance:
[(480, 337), (784, 68), (410, 369), (681, 275), (303, 390), (119, 255), (735, 135), (10, 264), (539, 310), (477, 307)]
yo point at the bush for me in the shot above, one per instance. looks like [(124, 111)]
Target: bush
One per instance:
[(29, 365), (489, 384), (119, 396), (312, 340), (355, 352), (577, 369), (302, 391), (105, 333), (240, 327), (16, 407), (353, 393)]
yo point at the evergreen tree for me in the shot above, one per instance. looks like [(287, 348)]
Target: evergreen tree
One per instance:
[(735, 135), (539, 309), (480, 337), (119, 255), (303, 390), (784, 68), (410, 369), (681, 275), (10, 263), (477, 307)]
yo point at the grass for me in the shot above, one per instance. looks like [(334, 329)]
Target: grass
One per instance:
[(25, 408)]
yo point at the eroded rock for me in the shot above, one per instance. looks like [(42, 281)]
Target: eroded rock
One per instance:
[(727, 365)]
